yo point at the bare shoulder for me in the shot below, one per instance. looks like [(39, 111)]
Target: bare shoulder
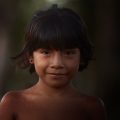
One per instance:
[(8, 105), (93, 101), (9, 96), (10, 99), (95, 107)]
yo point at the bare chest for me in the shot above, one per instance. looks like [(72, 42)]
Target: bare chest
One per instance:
[(52, 111)]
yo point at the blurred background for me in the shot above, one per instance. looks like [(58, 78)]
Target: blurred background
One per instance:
[(102, 19)]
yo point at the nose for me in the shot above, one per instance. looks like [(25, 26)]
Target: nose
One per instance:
[(57, 61)]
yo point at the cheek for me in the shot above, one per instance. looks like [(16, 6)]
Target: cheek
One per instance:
[(73, 69), (40, 67), (74, 65)]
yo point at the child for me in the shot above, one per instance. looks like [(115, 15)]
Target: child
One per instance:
[(56, 48)]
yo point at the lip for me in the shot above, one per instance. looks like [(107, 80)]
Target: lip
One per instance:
[(57, 74)]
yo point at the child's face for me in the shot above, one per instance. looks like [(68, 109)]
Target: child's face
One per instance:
[(55, 67)]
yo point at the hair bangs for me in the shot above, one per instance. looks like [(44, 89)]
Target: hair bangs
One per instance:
[(54, 33), (55, 28)]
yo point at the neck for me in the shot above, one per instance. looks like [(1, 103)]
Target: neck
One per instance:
[(49, 91)]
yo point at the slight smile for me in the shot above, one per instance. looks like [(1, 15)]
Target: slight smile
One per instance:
[(57, 74)]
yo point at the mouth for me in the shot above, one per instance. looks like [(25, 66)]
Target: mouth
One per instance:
[(57, 74)]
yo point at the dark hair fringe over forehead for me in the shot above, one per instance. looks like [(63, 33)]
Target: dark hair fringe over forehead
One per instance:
[(55, 28)]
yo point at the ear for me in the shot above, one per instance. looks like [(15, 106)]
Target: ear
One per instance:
[(31, 61)]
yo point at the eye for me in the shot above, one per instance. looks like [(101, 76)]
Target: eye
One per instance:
[(69, 52), (45, 51)]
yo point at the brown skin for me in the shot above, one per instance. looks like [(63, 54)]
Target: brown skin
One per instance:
[(53, 97), (26, 105)]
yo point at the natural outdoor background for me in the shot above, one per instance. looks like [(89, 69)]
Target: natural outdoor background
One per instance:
[(102, 18)]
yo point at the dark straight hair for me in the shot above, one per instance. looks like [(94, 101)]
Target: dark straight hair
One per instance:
[(55, 28)]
